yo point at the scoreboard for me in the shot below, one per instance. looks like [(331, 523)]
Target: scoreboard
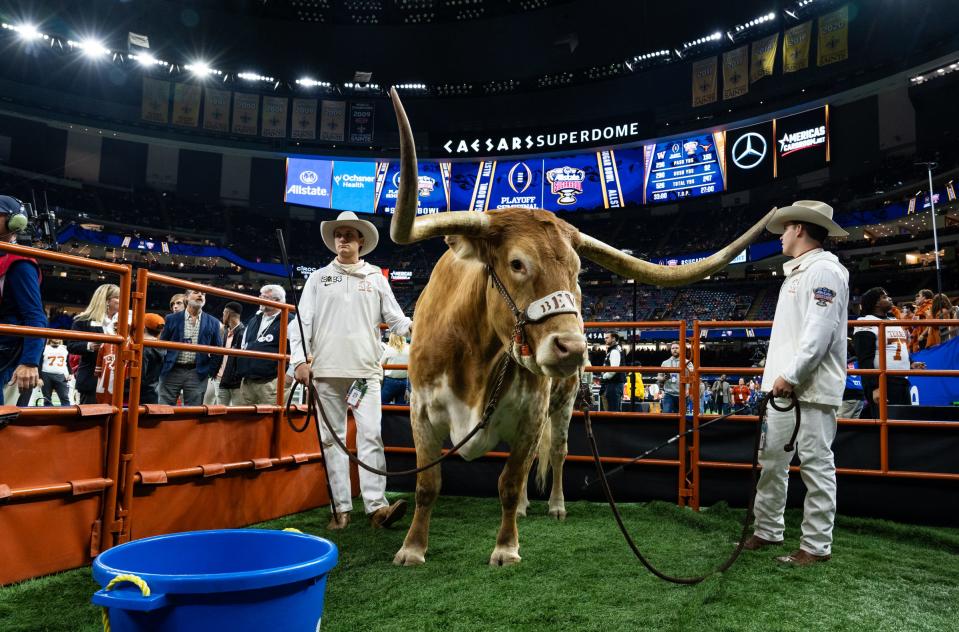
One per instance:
[(684, 167)]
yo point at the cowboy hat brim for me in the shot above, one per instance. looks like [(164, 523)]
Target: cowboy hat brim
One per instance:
[(371, 236), (803, 214)]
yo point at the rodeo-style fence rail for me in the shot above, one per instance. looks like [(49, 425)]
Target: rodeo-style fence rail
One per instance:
[(76, 480), (689, 464)]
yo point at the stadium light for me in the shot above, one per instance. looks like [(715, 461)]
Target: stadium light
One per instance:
[(411, 86), (26, 31), (202, 69), (307, 82), (90, 47), (706, 39), (147, 60), (254, 76)]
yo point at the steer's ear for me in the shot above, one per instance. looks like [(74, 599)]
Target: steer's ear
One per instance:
[(465, 248)]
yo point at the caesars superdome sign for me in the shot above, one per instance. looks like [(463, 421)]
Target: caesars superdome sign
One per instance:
[(537, 140)]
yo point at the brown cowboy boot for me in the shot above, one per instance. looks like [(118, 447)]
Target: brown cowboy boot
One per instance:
[(802, 558), (339, 521), (755, 543), (385, 516)]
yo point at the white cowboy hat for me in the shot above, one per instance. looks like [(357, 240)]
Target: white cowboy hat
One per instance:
[(348, 218), (812, 211)]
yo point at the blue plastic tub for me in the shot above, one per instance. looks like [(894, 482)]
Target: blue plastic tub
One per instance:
[(229, 579)]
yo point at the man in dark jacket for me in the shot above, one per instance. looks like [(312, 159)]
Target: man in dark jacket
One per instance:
[(20, 304), (228, 381), (152, 360), (262, 333), (187, 372)]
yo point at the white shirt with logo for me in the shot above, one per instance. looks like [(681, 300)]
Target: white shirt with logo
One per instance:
[(55, 360), (341, 310), (807, 346), (897, 345)]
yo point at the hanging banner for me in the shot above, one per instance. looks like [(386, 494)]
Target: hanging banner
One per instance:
[(333, 121), (245, 113), (796, 47), (186, 104), (274, 117), (216, 110), (763, 57), (735, 82), (951, 191), (704, 81), (361, 122), (155, 105), (303, 121), (912, 206), (833, 37)]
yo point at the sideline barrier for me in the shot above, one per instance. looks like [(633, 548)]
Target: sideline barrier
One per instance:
[(77, 480), (870, 458)]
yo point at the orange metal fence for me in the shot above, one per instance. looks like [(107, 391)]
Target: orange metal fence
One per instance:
[(73, 478)]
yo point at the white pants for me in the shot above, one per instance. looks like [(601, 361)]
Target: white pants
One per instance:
[(369, 442), (817, 468)]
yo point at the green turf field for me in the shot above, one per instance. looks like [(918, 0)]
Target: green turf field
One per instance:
[(579, 575)]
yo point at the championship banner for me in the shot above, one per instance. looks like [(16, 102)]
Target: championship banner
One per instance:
[(216, 110), (333, 121), (951, 191), (763, 57), (361, 122), (246, 108), (155, 104), (833, 37), (704, 82), (304, 119), (274, 117), (796, 47), (186, 104), (735, 82)]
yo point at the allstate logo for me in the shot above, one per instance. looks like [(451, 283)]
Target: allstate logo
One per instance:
[(566, 182), (309, 177), (520, 178)]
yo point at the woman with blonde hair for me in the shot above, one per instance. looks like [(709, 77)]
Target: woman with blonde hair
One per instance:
[(395, 381), (98, 315)]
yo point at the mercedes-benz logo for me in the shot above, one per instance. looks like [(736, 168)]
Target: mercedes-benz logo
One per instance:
[(749, 150)]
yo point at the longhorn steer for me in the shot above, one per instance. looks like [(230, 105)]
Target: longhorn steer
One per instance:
[(464, 327)]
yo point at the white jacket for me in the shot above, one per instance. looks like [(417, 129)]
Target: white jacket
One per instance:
[(341, 313), (808, 342)]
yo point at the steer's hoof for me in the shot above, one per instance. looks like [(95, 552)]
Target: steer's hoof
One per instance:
[(504, 556), (408, 556), (558, 512)]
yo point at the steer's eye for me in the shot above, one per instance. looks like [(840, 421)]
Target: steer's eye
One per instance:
[(516, 265)]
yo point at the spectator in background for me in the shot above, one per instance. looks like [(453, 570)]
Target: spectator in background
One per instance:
[(395, 381), (152, 360), (20, 304), (228, 381), (669, 382), (102, 309), (876, 305), (177, 303), (262, 333), (722, 395), (613, 382), (943, 309), (55, 374), (187, 372), (922, 337), (740, 394), (853, 400)]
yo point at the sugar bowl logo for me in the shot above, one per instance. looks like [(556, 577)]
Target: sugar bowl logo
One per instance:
[(520, 178), (566, 182), (424, 187)]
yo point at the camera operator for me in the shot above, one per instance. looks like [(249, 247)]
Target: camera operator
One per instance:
[(20, 304)]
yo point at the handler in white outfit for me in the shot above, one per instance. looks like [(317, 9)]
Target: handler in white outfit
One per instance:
[(341, 309), (807, 355)]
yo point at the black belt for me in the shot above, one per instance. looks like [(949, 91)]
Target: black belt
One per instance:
[(186, 365)]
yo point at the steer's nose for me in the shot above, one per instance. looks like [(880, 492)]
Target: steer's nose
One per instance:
[(567, 347)]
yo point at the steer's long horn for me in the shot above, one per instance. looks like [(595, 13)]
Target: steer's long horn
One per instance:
[(645, 272), (406, 227)]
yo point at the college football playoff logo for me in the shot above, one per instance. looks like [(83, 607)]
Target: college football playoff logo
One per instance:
[(520, 178)]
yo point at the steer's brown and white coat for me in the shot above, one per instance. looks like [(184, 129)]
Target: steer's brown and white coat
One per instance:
[(463, 327)]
